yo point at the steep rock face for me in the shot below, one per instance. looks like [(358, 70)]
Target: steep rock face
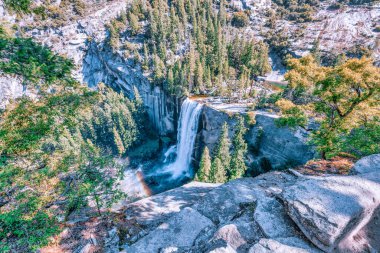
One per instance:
[(84, 41), (274, 212), (100, 64), (270, 147)]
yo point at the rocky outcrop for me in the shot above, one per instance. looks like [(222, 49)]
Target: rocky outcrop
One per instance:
[(182, 228), (10, 88), (274, 212), (270, 147), (330, 211), (367, 164)]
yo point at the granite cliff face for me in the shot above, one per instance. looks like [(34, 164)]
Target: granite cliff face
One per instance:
[(100, 64), (274, 212), (84, 41), (269, 147)]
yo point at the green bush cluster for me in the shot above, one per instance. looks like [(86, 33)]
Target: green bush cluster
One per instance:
[(19, 6), (240, 19), (32, 61), (297, 10)]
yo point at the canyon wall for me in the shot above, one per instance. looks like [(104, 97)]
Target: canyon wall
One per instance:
[(269, 147), (85, 42)]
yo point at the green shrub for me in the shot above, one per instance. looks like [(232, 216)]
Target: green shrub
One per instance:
[(292, 118), (29, 233), (251, 118), (240, 19), (32, 61), (19, 6)]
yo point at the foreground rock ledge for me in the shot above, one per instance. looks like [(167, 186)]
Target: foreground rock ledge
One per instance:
[(275, 212)]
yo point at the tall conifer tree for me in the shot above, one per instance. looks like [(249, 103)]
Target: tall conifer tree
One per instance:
[(238, 167)]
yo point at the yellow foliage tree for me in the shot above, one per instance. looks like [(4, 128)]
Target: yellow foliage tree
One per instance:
[(345, 96)]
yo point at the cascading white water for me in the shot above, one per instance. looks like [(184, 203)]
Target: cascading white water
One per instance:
[(187, 131)]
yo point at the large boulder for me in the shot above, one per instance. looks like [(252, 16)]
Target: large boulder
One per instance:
[(152, 211), (227, 201), (180, 231), (367, 164), (283, 245), (330, 211)]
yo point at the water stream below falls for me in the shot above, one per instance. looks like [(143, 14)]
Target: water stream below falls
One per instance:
[(174, 168)]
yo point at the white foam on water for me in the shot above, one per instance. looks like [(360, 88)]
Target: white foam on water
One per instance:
[(187, 131)]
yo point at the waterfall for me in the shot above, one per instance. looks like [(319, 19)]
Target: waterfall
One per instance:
[(187, 131)]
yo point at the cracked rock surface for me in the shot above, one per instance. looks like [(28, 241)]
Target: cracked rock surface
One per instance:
[(275, 212)]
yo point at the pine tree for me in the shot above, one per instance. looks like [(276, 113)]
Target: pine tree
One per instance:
[(137, 97), (238, 167), (207, 78), (203, 174), (170, 80), (159, 69), (222, 12), (199, 76), (134, 23), (146, 57), (137, 56), (182, 11), (218, 172), (152, 24), (223, 149), (118, 142), (192, 65)]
